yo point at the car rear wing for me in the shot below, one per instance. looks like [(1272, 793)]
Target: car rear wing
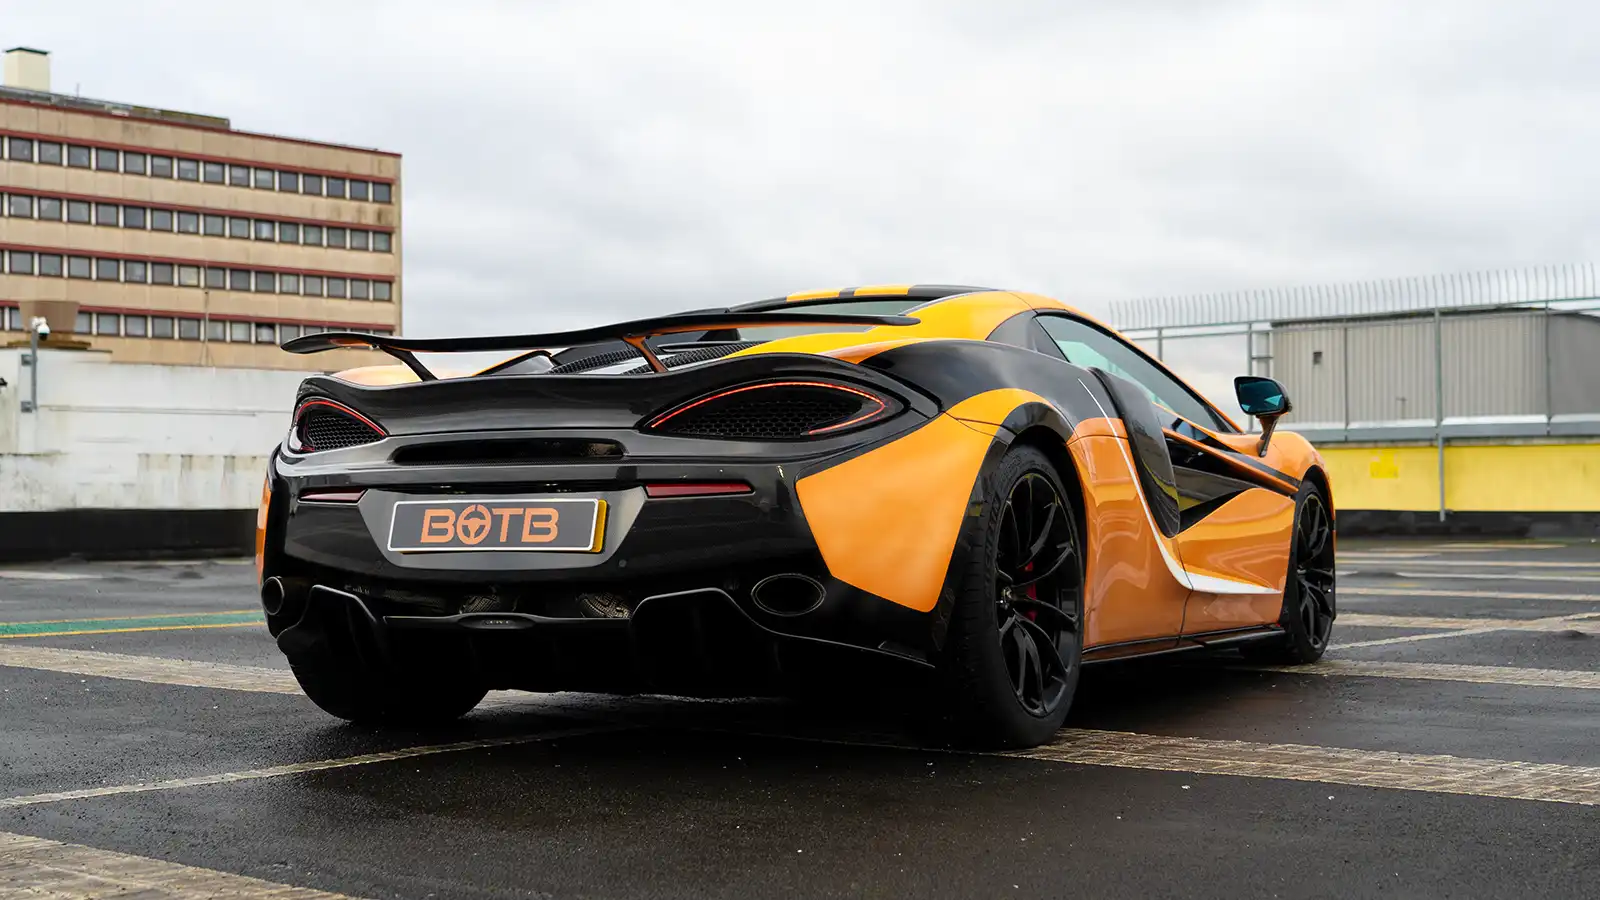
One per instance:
[(634, 334)]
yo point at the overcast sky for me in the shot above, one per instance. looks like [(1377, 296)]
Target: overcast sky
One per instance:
[(567, 163)]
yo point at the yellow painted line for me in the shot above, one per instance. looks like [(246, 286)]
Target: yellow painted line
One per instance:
[(365, 759), (1506, 779), (127, 630), (1555, 678), (187, 615), (50, 870)]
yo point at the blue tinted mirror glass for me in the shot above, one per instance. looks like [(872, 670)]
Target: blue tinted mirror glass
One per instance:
[(1260, 396)]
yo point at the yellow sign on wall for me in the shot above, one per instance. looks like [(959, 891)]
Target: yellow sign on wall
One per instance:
[(1527, 477)]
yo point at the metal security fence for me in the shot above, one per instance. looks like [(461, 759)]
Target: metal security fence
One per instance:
[(1497, 354)]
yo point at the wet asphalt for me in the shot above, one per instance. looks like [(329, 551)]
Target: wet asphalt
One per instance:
[(657, 798)]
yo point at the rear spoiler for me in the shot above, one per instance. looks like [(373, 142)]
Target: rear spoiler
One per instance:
[(633, 333)]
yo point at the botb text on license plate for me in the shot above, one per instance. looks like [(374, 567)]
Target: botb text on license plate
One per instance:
[(516, 523)]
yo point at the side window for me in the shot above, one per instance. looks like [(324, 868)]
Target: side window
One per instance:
[(1087, 346)]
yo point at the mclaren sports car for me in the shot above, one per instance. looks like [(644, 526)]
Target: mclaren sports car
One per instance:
[(966, 494)]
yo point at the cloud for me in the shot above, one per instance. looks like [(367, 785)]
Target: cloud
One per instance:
[(567, 163)]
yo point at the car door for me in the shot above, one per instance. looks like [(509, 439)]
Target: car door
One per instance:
[(1235, 514)]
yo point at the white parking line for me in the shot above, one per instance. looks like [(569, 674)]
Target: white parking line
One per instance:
[(1364, 591), (43, 869), (1556, 623), (1554, 678), (1547, 782), (1587, 575)]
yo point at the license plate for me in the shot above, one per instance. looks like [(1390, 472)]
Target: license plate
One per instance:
[(574, 525)]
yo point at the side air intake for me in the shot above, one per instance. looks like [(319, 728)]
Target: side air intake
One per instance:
[(775, 411), (326, 425)]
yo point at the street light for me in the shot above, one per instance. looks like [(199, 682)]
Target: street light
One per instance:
[(38, 330)]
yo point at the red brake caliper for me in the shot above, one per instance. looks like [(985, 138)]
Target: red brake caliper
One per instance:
[(1033, 616)]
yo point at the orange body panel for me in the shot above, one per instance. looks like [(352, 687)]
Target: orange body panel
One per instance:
[(261, 529), (975, 317), (887, 521), (1246, 540), (1131, 594)]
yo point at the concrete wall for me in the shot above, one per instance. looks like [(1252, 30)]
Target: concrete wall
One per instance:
[(126, 436)]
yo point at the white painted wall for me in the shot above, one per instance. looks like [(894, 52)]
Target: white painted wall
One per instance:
[(135, 436)]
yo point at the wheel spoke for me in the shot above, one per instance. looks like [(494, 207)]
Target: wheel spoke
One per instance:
[(1039, 575), (1324, 603), (1045, 649), (1046, 614), (1042, 539)]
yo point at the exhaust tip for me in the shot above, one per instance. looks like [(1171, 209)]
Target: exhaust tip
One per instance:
[(788, 594), (273, 595)]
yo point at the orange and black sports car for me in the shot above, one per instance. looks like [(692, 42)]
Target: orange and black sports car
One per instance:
[(966, 493)]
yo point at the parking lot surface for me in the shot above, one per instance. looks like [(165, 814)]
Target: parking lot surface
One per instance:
[(1447, 746)]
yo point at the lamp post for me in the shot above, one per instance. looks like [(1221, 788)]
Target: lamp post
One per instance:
[(37, 329)]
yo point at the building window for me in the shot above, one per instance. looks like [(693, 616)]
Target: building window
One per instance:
[(288, 284), (311, 184), (239, 228), (336, 187), (78, 267), (216, 330), (311, 234), (239, 176), (107, 323), (358, 289), (50, 264), (105, 160), (188, 170), (380, 290), (381, 193), (161, 166), (78, 157), (189, 329), (214, 173), (188, 223), (239, 332), (19, 205), (288, 181), (215, 226), (217, 278), (50, 154), (288, 232), (107, 270), (287, 332), (189, 276), (83, 324), (336, 237), (266, 283), (161, 273), (381, 241), (135, 326), (134, 271), (358, 190), (266, 333), (265, 230), (160, 220), (105, 214), (134, 163), (161, 327), (312, 285), (21, 262), (238, 280), (20, 149), (133, 217), (336, 287), (358, 240), (263, 179), (50, 208), (78, 211)]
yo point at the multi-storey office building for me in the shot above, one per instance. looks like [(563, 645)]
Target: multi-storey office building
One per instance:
[(185, 241)]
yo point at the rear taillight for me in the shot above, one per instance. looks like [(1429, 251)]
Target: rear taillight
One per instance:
[(775, 411), (328, 425)]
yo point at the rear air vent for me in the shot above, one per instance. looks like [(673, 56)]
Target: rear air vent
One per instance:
[(326, 425), (597, 361), (691, 354), (775, 411), (506, 452)]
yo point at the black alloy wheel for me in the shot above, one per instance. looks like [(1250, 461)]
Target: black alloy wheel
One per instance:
[(1037, 594), (1309, 607), (1013, 653)]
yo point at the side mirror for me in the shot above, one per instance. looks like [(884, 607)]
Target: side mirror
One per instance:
[(1264, 399)]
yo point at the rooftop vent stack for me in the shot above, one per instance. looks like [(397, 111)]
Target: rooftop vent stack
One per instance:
[(28, 69)]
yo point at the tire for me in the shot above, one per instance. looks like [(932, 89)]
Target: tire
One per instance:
[(996, 692), (349, 691), (1309, 607)]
